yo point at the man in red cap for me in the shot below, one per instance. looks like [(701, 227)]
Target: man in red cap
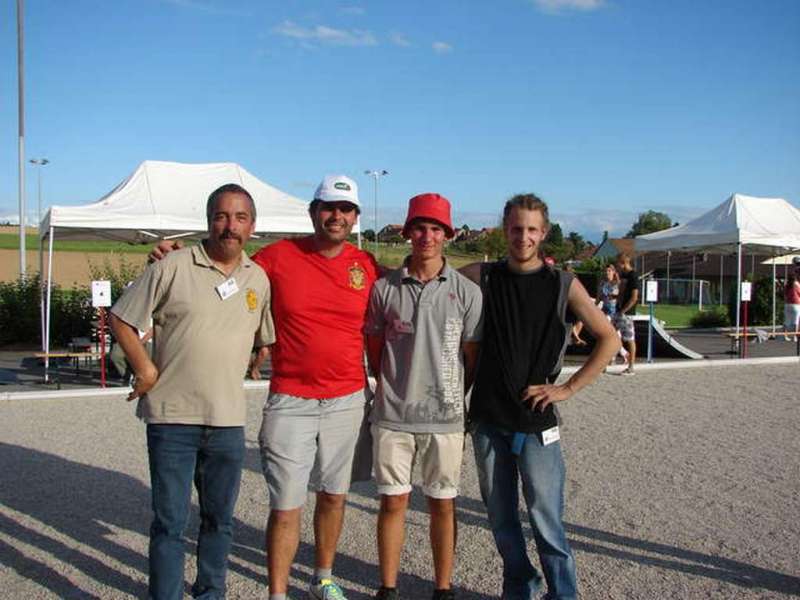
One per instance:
[(423, 328)]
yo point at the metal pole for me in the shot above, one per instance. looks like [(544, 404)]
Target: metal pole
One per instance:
[(738, 285), (375, 176), (39, 162), (669, 254), (49, 301), (774, 291), (21, 146)]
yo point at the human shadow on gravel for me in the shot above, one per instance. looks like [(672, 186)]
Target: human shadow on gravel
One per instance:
[(630, 549), (81, 502), (89, 505)]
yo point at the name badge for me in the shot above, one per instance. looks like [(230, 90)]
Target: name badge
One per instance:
[(550, 435), (228, 288), (401, 326)]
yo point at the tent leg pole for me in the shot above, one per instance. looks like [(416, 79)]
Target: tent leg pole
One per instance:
[(41, 290), (738, 291), (774, 291), (49, 303)]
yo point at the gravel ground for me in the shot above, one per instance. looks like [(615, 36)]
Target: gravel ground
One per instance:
[(681, 483)]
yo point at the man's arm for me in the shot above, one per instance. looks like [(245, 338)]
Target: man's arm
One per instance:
[(632, 301), (145, 372), (255, 365), (608, 344), (375, 353), (470, 350)]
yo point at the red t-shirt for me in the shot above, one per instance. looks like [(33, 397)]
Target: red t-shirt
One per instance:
[(318, 306)]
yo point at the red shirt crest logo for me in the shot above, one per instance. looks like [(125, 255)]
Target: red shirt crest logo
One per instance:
[(358, 277)]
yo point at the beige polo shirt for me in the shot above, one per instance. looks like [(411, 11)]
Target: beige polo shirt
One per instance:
[(202, 335)]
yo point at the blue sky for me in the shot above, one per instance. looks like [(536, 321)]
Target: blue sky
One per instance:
[(604, 108)]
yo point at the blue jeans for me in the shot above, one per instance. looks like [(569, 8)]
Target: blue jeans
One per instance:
[(541, 469), (213, 457)]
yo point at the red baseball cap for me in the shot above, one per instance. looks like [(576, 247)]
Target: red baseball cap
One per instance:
[(432, 207)]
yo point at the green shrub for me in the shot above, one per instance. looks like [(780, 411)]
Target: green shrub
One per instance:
[(759, 311), (19, 310), (716, 316)]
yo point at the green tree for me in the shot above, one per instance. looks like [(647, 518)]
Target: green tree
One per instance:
[(556, 236), (576, 242), (494, 245), (648, 222), (368, 234)]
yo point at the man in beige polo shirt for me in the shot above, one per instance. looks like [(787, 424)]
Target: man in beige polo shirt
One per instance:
[(208, 303)]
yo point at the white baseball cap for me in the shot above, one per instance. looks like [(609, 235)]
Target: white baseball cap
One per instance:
[(337, 188)]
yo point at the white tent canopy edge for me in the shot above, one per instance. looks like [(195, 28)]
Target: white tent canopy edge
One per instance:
[(762, 225), (159, 200)]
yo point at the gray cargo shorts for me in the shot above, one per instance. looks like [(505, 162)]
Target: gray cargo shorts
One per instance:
[(308, 444)]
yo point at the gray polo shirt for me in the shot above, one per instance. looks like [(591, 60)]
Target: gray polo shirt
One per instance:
[(201, 341), (421, 386)]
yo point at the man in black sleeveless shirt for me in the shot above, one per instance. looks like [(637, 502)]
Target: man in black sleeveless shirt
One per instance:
[(514, 423)]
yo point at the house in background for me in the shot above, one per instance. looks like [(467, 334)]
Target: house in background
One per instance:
[(391, 233)]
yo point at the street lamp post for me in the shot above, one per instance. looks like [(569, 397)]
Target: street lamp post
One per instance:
[(375, 176), (40, 162)]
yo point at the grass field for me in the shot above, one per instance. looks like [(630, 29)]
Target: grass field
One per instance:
[(388, 255), (674, 315)]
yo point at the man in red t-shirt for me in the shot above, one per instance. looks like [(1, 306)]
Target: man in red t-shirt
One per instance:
[(320, 289)]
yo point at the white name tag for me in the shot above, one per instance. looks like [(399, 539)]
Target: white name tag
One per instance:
[(401, 326), (228, 288), (550, 435)]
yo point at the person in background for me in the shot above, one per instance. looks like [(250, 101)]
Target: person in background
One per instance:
[(791, 307), (626, 306)]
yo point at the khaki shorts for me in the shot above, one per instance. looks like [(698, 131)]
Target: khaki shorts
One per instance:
[(308, 445), (438, 455)]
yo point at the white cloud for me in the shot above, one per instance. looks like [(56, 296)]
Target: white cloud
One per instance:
[(322, 34), (559, 6), (352, 10), (442, 47), (398, 39), (206, 7)]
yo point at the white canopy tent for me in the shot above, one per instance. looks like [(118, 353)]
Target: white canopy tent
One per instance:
[(762, 225), (163, 200)]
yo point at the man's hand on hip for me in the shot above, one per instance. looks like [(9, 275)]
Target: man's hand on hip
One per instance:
[(144, 382), (540, 396)]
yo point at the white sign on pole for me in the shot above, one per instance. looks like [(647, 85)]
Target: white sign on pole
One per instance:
[(101, 293), (651, 291), (747, 291)]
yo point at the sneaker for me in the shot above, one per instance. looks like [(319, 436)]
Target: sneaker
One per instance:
[(387, 594), (326, 590), (443, 595)]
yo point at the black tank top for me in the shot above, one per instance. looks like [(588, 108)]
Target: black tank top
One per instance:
[(524, 338)]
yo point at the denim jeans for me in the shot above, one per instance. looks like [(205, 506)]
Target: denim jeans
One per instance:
[(541, 469), (212, 457)]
